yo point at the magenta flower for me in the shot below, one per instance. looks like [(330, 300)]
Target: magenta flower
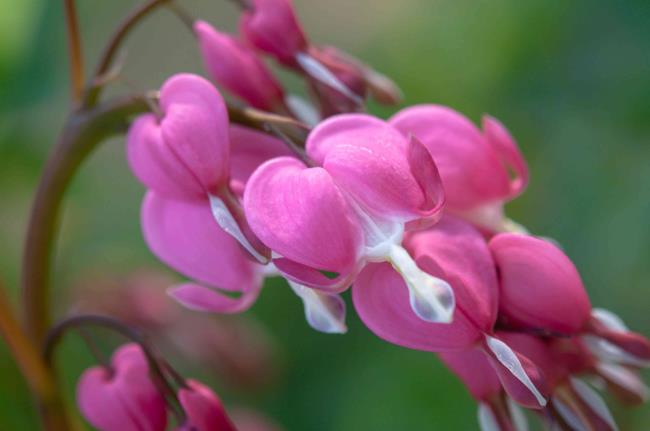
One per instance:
[(272, 27), (456, 251), (474, 166), (237, 68), (122, 396), (203, 409), (541, 290), (370, 184)]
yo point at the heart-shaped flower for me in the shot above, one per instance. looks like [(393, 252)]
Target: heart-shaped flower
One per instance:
[(203, 409)]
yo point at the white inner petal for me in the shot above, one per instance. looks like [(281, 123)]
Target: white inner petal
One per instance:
[(609, 319), (324, 312), (594, 401), (228, 223), (318, 71), (607, 351), (303, 109), (431, 298), (568, 415), (509, 359), (486, 419), (624, 378), (517, 414)]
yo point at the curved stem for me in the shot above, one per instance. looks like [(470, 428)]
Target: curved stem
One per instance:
[(74, 48), (79, 322), (81, 134), (114, 43)]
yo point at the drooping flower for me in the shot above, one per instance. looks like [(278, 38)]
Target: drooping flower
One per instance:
[(541, 289), (238, 69), (474, 166), (370, 184), (452, 249), (122, 396), (203, 409), (185, 154), (184, 236)]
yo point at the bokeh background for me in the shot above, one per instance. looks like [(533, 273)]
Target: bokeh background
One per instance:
[(570, 79)]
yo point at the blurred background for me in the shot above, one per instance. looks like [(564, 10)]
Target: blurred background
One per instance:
[(570, 79)]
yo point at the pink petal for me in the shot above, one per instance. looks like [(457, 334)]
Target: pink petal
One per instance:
[(474, 369), (203, 408), (272, 26), (299, 213), (185, 236), (201, 298), (456, 252), (249, 149), (185, 154), (381, 299), (540, 288), (313, 278), (472, 174), (124, 400), (498, 136), (237, 68), (372, 162)]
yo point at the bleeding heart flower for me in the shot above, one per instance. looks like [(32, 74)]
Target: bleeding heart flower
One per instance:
[(122, 396), (203, 409), (474, 166), (272, 27), (457, 252), (184, 236), (541, 290), (237, 68), (370, 185)]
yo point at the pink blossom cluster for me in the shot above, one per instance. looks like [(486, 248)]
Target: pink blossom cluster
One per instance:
[(406, 213)]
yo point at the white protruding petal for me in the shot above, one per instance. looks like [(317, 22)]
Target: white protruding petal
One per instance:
[(431, 298), (609, 319), (303, 109), (509, 359), (624, 378), (594, 401), (607, 351), (486, 419), (228, 223), (517, 414), (325, 312), (318, 71), (568, 415)]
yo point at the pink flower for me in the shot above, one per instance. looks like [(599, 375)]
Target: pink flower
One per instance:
[(122, 397), (272, 27), (474, 166), (369, 185), (237, 68), (185, 154), (541, 290), (203, 409), (452, 249)]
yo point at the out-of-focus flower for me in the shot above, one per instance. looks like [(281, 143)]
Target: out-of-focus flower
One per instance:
[(541, 290), (122, 396), (455, 250), (475, 167), (250, 420), (203, 409), (370, 184), (237, 68), (272, 27)]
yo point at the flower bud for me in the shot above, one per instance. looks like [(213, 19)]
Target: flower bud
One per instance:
[(203, 409), (237, 68), (122, 397)]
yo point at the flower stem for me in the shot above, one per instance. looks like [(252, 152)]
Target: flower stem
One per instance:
[(74, 48), (81, 134), (38, 376)]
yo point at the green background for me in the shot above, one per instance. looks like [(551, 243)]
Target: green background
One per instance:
[(570, 79)]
